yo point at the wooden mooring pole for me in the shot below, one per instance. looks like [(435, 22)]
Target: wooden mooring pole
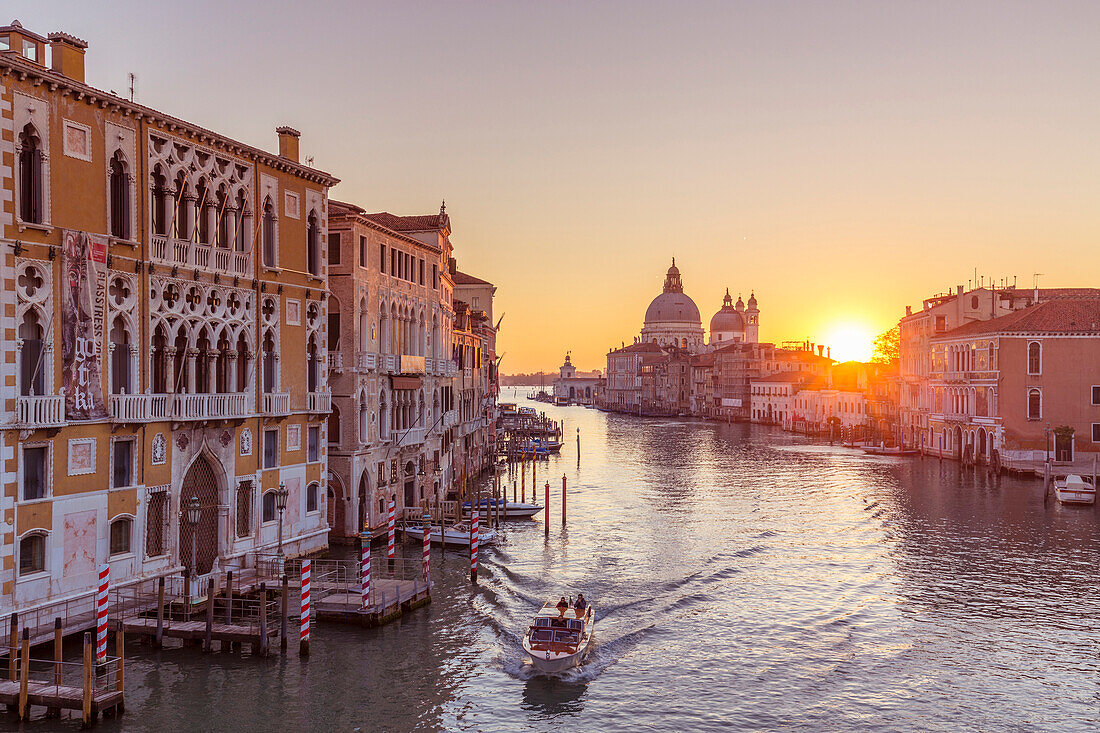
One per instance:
[(208, 642), (158, 640), (87, 679), (263, 619), (24, 674), (563, 500), (120, 673), (285, 611), (229, 597), (13, 641), (58, 652), (546, 520)]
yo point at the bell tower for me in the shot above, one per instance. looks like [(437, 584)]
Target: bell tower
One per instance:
[(752, 321)]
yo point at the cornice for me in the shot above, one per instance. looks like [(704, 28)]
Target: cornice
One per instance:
[(13, 65)]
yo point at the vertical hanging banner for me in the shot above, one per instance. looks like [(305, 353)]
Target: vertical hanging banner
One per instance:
[(83, 306)]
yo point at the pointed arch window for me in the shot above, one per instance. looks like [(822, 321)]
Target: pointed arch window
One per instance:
[(334, 426), (30, 176), (269, 233), (204, 205), (181, 219), (269, 362), (223, 219), (120, 197), (120, 359), (32, 354), (160, 202), (313, 245), (243, 218)]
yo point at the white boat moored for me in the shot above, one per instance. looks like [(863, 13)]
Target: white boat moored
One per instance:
[(455, 534), (1074, 489)]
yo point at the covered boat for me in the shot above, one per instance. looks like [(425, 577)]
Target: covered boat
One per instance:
[(456, 534), (558, 640), (511, 509)]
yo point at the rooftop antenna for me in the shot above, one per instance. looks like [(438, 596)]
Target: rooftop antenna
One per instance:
[(133, 81), (309, 161)]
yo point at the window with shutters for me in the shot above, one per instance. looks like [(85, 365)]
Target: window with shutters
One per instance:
[(120, 197), (31, 188)]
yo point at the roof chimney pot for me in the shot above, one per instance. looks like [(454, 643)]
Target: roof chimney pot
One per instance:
[(67, 53), (288, 142)]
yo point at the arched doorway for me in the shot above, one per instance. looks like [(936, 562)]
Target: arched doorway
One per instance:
[(364, 508), (410, 485), (336, 507), (979, 447), (200, 482), (958, 443)]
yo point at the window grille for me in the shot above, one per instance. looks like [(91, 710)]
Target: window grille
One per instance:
[(244, 509), (156, 521)]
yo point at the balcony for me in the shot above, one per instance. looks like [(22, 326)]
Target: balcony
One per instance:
[(412, 364), (42, 411), (429, 366), (185, 253), (450, 419), (138, 407), (388, 363), (336, 361), (412, 436), (276, 403), (366, 361), (319, 401), (208, 406)]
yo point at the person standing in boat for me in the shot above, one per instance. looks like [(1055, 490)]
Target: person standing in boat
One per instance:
[(580, 605), (563, 606)]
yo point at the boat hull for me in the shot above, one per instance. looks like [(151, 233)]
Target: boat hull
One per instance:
[(556, 664), (452, 539), (1069, 496)]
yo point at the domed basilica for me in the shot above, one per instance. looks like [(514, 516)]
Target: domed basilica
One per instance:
[(672, 319)]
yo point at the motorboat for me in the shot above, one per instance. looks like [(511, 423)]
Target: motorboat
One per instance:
[(1074, 489), (457, 534), (510, 509), (892, 450), (558, 640)]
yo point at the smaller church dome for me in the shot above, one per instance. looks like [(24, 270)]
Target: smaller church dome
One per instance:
[(752, 301), (727, 319)]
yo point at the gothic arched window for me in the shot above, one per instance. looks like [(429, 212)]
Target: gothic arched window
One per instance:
[(30, 176), (120, 197)]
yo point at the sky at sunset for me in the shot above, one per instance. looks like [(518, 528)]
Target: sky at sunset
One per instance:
[(840, 159)]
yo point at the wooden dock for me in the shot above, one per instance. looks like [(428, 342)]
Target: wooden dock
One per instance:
[(43, 694)]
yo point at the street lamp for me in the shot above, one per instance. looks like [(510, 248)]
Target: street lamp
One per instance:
[(280, 504), (194, 515)]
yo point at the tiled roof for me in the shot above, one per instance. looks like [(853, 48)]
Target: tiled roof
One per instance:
[(645, 347), (1068, 293), (407, 223), (1052, 316), (461, 278)]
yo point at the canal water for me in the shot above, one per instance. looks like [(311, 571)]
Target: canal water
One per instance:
[(743, 579)]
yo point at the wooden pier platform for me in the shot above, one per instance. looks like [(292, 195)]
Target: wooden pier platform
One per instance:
[(389, 599), (61, 696)]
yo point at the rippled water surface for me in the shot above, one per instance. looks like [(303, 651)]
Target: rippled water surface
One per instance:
[(743, 579)]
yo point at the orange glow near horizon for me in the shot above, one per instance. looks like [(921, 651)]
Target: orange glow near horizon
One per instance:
[(840, 160), (849, 341)]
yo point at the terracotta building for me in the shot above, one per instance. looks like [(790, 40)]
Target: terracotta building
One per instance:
[(165, 318), (1005, 390)]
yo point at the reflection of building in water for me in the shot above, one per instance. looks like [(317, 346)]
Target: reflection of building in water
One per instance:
[(575, 387)]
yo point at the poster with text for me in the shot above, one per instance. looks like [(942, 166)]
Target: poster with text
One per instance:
[(83, 305)]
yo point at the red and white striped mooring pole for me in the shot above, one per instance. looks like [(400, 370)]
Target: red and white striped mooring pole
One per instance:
[(101, 614), (427, 547), (391, 531), (364, 571), (475, 533), (303, 644)]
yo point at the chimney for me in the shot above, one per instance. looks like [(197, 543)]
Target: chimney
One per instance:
[(829, 353), (908, 310), (67, 53), (288, 142), (820, 350)]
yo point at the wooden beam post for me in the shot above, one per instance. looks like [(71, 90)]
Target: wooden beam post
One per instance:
[(285, 612), (120, 674), (86, 685), (229, 596), (158, 640), (58, 650), (13, 641), (263, 619), (208, 644), (24, 674)]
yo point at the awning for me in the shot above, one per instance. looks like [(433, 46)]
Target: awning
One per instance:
[(405, 382)]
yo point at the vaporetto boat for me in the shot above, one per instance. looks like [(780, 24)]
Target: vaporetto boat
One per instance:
[(558, 640), (456, 534)]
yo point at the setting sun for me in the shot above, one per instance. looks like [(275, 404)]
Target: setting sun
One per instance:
[(850, 341)]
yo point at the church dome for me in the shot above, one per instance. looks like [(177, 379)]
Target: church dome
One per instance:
[(672, 306), (727, 319)]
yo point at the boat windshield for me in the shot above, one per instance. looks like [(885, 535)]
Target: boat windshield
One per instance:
[(541, 636), (566, 637), (576, 624)]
